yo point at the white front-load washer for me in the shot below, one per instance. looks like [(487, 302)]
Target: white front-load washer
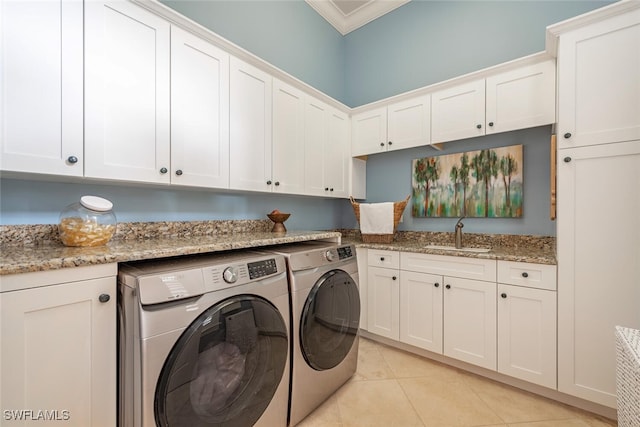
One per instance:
[(325, 313), (204, 341)]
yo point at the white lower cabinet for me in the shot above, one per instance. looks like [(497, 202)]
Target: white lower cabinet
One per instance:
[(58, 350), (470, 321), (421, 313), (499, 315)]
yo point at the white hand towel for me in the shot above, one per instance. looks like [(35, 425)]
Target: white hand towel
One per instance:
[(376, 218)]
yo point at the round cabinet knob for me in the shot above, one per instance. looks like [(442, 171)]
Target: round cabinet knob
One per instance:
[(179, 172), (394, 278), (104, 298), (448, 286), (269, 182), (567, 159), (382, 144), (72, 159), (163, 170), (331, 189), (479, 126), (567, 135), (491, 124), (381, 258), (277, 183), (326, 188), (503, 295), (436, 284), (230, 274), (329, 256), (390, 143), (525, 274)]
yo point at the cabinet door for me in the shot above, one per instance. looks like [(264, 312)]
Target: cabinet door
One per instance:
[(369, 132), (527, 334), (199, 112), (470, 321), (315, 138), (521, 98), (337, 154), (126, 93), (458, 112), (250, 128), (288, 151), (598, 232), (598, 84), (383, 302), (409, 123), (62, 352), (421, 310), (41, 87)]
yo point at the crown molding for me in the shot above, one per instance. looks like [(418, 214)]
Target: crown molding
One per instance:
[(356, 19)]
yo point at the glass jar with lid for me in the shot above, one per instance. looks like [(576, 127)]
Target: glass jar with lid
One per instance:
[(89, 222)]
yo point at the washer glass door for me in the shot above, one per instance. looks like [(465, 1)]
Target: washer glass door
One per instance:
[(226, 366), (330, 320)]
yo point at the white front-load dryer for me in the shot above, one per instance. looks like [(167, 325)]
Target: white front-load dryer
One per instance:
[(204, 341), (325, 312)]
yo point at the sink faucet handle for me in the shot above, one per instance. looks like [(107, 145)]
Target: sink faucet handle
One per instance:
[(459, 224)]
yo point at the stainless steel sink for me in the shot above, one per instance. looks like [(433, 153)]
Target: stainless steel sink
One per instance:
[(453, 248)]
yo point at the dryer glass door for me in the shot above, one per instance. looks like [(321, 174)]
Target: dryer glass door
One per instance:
[(226, 366), (330, 320)]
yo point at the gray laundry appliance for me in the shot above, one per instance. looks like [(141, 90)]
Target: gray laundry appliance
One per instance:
[(325, 313), (204, 341)]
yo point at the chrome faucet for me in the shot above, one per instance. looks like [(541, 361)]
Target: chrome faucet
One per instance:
[(459, 226)]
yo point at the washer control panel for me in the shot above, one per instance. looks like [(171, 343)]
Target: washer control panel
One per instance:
[(262, 268)]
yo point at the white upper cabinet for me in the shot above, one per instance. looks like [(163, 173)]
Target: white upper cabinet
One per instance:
[(199, 112), (250, 127), (327, 150), (288, 151), (516, 99), (599, 83), (400, 125), (41, 87), (458, 112), (127, 92), (369, 132), (521, 98)]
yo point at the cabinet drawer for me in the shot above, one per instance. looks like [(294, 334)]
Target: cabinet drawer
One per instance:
[(539, 276), (453, 266), (382, 258)]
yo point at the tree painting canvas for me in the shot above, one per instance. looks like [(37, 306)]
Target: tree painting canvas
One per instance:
[(485, 183)]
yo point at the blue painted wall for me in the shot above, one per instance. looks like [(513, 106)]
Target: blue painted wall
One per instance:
[(425, 42), (417, 44)]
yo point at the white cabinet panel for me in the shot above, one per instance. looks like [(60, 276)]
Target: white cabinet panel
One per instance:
[(288, 151), (41, 128), (527, 274), (383, 302), (384, 259), (598, 264), (454, 266), (527, 334), (315, 138), (127, 92), (521, 98), (409, 123), (337, 154), (421, 310), (199, 112), (598, 84), (470, 321), (369, 132), (458, 112), (62, 352), (250, 127)]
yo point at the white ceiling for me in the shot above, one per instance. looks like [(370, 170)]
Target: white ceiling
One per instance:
[(348, 15)]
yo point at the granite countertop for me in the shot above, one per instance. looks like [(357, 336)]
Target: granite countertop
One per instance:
[(51, 254), (533, 249), (38, 248)]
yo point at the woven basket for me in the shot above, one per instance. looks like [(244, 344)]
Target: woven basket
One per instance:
[(398, 208)]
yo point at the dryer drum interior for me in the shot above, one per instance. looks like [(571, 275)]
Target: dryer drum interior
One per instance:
[(330, 320), (226, 366)]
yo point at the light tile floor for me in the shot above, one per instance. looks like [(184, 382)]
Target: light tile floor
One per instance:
[(395, 388)]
